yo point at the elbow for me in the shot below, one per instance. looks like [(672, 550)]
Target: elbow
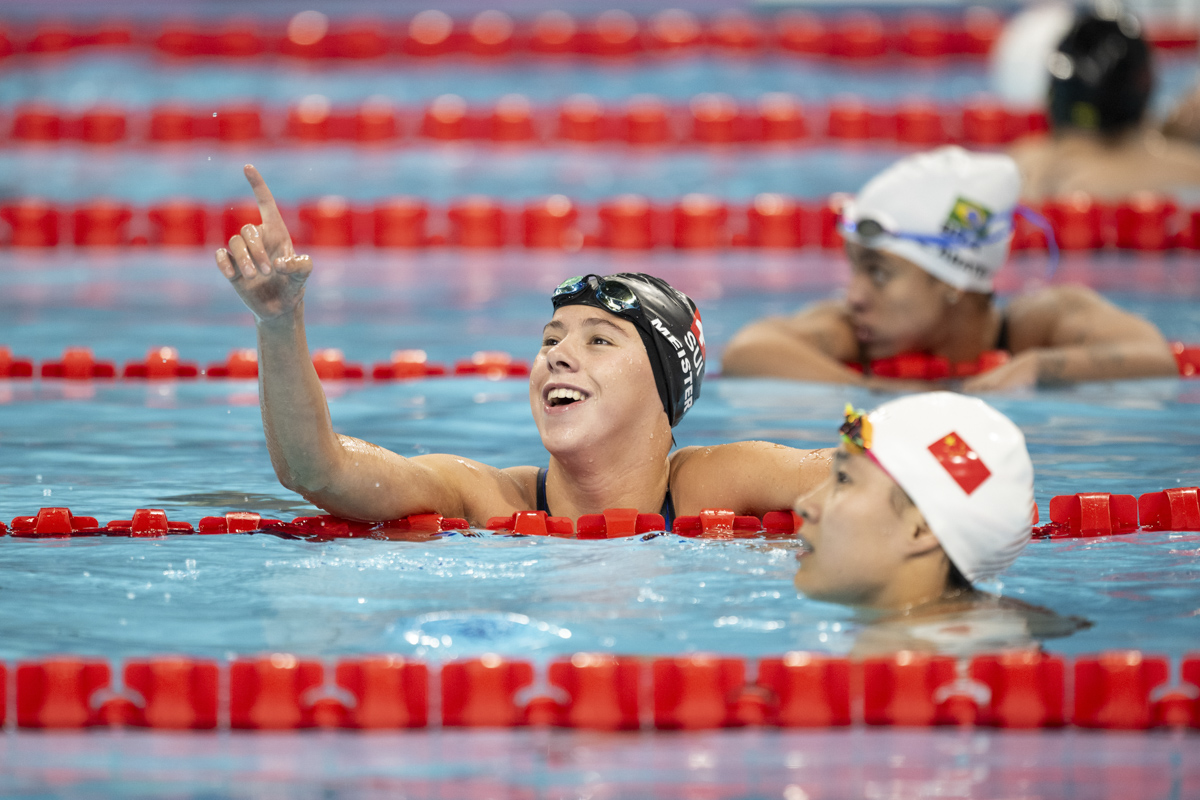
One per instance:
[(733, 360), (304, 485), (308, 480), (744, 354)]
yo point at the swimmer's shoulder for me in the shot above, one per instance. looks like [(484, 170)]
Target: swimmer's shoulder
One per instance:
[(1035, 318), (749, 477)]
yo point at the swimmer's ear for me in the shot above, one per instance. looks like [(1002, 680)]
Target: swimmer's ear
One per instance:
[(920, 538)]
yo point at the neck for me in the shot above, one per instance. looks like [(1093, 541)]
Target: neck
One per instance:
[(590, 480), (969, 329), (921, 581)]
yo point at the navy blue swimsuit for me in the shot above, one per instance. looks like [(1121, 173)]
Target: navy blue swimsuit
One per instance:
[(667, 512)]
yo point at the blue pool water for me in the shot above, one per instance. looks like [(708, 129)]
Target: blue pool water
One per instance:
[(195, 448)]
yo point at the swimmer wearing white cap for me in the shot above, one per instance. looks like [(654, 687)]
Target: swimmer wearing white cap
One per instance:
[(925, 239), (928, 495), (621, 361)]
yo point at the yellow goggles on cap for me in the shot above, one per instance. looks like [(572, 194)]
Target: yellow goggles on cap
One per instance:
[(856, 431)]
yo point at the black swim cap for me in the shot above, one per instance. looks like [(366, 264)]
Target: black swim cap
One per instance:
[(1101, 75), (666, 319)]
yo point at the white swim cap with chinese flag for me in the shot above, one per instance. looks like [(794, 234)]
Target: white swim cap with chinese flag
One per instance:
[(965, 466), (949, 211)]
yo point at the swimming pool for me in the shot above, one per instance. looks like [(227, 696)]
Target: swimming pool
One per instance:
[(194, 448)]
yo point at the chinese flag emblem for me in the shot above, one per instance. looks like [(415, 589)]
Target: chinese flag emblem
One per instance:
[(963, 463)]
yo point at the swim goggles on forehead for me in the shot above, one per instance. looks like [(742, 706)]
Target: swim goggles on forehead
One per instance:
[(612, 294), (856, 431), (995, 230)]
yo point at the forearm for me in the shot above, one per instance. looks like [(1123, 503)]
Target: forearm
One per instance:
[(304, 448), (757, 352), (1103, 361)]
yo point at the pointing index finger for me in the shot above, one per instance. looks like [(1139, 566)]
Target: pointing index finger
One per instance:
[(266, 201)]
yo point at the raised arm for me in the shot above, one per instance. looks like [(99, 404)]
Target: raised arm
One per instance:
[(812, 345), (343, 475), (1070, 333)]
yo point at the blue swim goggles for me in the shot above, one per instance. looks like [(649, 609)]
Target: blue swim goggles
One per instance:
[(997, 228), (612, 294)]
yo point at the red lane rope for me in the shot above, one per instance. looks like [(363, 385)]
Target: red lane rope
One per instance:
[(1083, 515), (1143, 222), (710, 119), (1123, 690), (860, 36), (164, 363)]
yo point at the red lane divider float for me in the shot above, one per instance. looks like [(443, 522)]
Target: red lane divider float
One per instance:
[(1071, 516), (708, 119), (14, 366), (1116, 690), (163, 363), (311, 36), (921, 366), (1144, 222), (1102, 514)]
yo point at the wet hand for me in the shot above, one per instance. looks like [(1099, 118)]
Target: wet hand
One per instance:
[(261, 263)]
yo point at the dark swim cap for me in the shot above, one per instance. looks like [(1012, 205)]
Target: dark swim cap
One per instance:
[(1101, 74), (666, 319)]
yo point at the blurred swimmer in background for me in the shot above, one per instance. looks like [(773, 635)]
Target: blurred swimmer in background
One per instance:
[(928, 495), (621, 361), (1096, 82), (925, 239)]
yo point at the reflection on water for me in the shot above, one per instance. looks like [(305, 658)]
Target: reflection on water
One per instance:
[(989, 624)]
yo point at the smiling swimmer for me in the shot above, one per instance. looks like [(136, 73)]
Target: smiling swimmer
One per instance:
[(621, 362), (928, 495), (925, 239)]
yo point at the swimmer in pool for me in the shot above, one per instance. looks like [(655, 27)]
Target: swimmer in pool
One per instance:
[(925, 239), (1101, 141), (927, 496), (621, 362)]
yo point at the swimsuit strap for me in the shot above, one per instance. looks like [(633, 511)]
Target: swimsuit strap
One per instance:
[(541, 491), (1002, 335), (667, 512)]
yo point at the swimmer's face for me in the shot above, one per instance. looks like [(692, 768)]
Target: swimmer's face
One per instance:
[(592, 381), (895, 306), (858, 531)]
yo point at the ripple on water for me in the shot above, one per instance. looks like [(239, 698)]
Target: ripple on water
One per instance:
[(457, 634)]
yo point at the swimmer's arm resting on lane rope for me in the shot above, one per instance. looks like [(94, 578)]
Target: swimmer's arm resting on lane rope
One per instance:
[(345, 476), (815, 344), (1066, 334)]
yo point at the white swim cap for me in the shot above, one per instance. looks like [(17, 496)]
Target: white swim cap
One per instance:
[(948, 211), (1019, 74), (966, 468)]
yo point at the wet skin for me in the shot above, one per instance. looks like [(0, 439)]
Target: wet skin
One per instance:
[(864, 546), (592, 394)]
